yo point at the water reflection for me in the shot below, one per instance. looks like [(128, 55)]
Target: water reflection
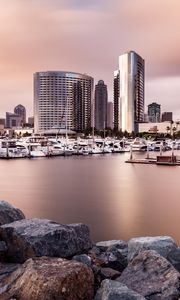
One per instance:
[(115, 199)]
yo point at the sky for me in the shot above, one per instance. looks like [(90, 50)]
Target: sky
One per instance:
[(87, 36)]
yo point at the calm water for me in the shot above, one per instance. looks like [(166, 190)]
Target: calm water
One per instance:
[(117, 200)]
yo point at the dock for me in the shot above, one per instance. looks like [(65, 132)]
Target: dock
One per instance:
[(168, 160)]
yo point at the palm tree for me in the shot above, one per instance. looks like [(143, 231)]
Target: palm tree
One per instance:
[(174, 131), (172, 122), (168, 129), (177, 125)]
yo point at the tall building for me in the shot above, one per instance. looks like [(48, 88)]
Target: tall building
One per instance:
[(62, 100), (20, 111), (154, 112), (101, 98), (116, 101), (129, 92), (110, 115), (167, 116)]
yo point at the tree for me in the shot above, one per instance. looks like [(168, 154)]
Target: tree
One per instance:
[(168, 129)]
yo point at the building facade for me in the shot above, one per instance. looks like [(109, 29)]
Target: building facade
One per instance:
[(13, 120), (101, 98), (154, 112), (167, 116), (20, 111), (110, 115), (62, 100), (129, 92)]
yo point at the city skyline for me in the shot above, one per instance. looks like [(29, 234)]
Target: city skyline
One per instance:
[(87, 37)]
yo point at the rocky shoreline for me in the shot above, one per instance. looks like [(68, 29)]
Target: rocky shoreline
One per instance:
[(43, 260)]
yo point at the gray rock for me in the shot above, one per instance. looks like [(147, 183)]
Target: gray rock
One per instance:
[(83, 258), (174, 258), (9, 213), (48, 278), (162, 244), (115, 257), (112, 290), (3, 250), (40, 237), (104, 245), (152, 276)]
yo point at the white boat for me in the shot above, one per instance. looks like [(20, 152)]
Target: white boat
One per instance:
[(138, 145), (10, 149)]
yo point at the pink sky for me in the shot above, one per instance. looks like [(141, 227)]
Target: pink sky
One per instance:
[(88, 36)]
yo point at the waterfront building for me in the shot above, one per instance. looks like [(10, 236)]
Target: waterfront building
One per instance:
[(154, 112), (101, 98), (129, 92), (20, 111), (162, 127), (167, 116), (110, 115), (13, 120), (62, 100)]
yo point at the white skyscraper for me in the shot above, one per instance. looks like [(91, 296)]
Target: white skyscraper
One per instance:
[(129, 92)]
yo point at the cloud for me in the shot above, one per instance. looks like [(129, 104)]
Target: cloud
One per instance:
[(87, 36)]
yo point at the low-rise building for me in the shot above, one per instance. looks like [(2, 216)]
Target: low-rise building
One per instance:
[(162, 127)]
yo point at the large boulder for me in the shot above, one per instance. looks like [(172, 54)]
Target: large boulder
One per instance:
[(113, 290), (9, 214), (40, 237), (48, 278), (152, 276), (162, 244)]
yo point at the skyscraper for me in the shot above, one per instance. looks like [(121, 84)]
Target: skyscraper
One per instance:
[(110, 115), (101, 98), (129, 92), (62, 99), (20, 110), (154, 112)]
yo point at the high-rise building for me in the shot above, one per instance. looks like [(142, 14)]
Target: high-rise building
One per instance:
[(154, 112), (20, 111), (101, 98), (62, 100), (116, 101), (129, 92), (110, 115), (167, 116)]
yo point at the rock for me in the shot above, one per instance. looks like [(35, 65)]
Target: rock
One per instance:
[(48, 278), (104, 245), (108, 273), (113, 290), (174, 258), (3, 250), (152, 276), (39, 237), (83, 258), (6, 270), (9, 214), (115, 258), (162, 244)]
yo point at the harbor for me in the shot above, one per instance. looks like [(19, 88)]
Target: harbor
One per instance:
[(42, 146)]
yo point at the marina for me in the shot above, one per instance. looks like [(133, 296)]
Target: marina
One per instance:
[(42, 146)]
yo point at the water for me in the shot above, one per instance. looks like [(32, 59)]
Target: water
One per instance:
[(117, 200)]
